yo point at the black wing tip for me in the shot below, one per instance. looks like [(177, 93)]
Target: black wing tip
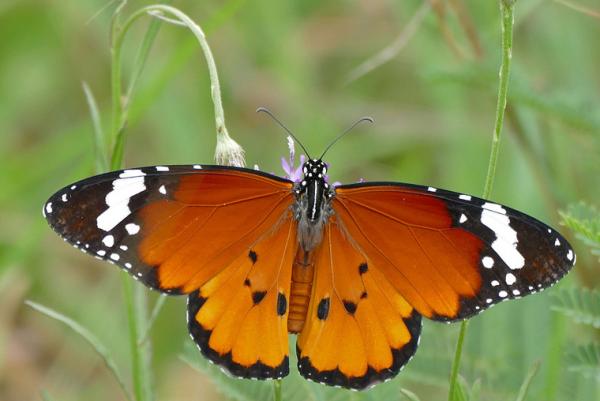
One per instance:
[(201, 336), (335, 378)]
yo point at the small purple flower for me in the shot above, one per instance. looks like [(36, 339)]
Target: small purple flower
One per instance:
[(292, 173)]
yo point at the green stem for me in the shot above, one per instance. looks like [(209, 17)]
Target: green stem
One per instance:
[(134, 296), (277, 390), (507, 16), (456, 361), (508, 19), (137, 358), (116, 134)]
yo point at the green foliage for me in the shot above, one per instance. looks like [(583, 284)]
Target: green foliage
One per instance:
[(580, 304), (584, 220), (585, 359)]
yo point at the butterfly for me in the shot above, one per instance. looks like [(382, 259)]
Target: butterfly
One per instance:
[(351, 269)]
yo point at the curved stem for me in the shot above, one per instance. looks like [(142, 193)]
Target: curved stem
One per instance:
[(507, 17), (228, 152)]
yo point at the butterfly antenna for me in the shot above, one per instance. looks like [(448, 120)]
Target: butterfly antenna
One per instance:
[(363, 119), (267, 111)]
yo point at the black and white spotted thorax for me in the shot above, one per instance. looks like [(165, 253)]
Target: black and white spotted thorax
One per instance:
[(313, 202)]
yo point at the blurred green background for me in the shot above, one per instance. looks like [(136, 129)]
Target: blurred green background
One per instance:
[(434, 106)]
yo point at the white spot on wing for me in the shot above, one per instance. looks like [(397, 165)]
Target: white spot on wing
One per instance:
[(130, 183), (503, 294), (557, 242), (128, 265), (48, 207), (132, 228), (510, 279), (197, 167), (162, 168), (505, 245), (64, 197), (494, 207), (109, 240), (487, 262), (570, 255), (465, 197), (495, 283), (463, 218), (115, 256), (432, 189), (162, 190), (123, 247), (101, 252)]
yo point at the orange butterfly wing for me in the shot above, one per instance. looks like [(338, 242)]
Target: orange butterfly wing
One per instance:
[(450, 255), (239, 317), (359, 330), (225, 235)]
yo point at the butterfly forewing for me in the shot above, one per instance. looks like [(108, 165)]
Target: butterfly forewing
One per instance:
[(450, 255), (171, 227)]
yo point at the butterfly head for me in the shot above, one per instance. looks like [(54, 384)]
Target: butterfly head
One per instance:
[(315, 171), (314, 168), (312, 207)]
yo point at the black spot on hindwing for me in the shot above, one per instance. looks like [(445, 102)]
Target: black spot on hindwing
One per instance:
[(323, 309), (253, 256), (258, 296), (281, 304), (350, 307), (363, 268)]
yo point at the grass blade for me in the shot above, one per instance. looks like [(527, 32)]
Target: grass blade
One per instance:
[(160, 302), (99, 142), (525, 386), (87, 336), (409, 395)]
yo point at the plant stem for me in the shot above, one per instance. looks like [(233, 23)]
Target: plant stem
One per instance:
[(277, 390), (456, 361), (134, 296), (136, 355), (507, 17)]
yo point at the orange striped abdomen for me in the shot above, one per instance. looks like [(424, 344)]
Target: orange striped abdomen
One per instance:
[(301, 289)]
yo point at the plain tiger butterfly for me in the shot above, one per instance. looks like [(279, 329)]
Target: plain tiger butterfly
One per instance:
[(351, 269)]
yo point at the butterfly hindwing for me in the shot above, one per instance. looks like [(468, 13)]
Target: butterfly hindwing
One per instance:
[(451, 255), (359, 330), (239, 317), (171, 227)]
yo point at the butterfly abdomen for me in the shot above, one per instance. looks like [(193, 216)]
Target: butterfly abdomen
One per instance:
[(301, 289)]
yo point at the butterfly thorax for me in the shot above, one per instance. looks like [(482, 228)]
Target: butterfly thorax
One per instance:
[(312, 208)]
